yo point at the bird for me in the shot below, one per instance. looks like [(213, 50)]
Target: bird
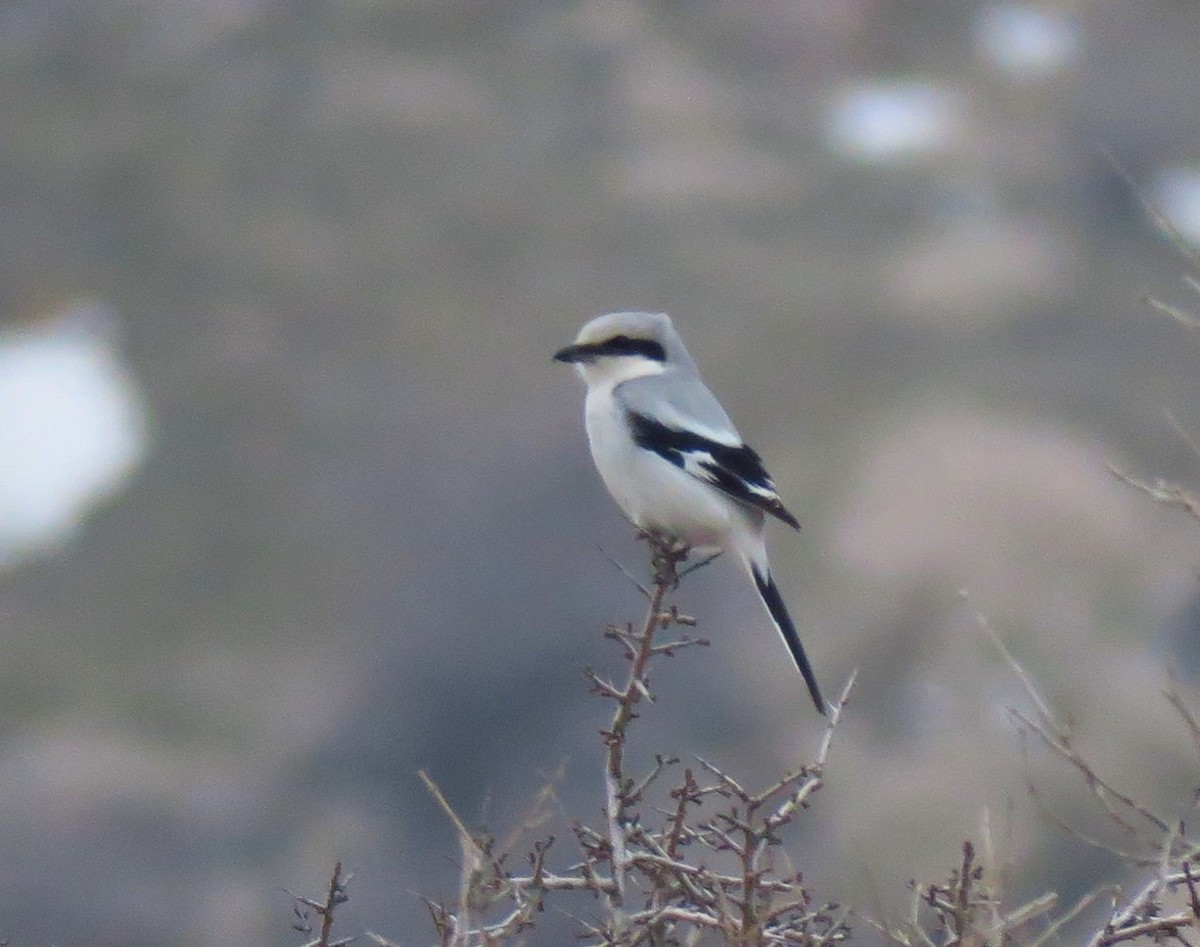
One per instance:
[(671, 457)]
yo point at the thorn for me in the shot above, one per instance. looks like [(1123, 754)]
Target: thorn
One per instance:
[(701, 564)]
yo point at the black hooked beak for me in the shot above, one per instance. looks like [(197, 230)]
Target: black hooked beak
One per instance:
[(573, 354)]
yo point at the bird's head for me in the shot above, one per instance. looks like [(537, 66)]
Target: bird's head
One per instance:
[(625, 345)]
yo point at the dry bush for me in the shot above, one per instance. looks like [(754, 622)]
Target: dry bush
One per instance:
[(969, 908), (687, 855)]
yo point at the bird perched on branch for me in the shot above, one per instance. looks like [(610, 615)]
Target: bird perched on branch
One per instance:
[(671, 457)]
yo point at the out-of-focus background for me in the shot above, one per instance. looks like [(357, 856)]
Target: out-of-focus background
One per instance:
[(293, 501)]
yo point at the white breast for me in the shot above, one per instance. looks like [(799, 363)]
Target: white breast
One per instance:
[(654, 493)]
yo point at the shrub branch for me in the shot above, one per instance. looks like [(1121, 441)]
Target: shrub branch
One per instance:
[(674, 859)]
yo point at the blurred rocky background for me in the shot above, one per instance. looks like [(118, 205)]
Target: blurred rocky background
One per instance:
[(293, 501)]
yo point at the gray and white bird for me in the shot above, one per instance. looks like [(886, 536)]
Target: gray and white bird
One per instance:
[(671, 457)]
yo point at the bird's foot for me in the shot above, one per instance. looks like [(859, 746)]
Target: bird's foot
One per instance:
[(667, 553)]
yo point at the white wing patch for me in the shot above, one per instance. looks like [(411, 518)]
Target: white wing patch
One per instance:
[(734, 469)]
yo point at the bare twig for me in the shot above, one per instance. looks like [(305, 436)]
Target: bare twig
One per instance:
[(1160, 220), (1155, 925), (702, 868), (435, 791), (1141, 914), (1156, 842), (335, 895), (619, 792), (1054, 927), (1116, 803), (1039, 702), (1182, 316), (1188, 438), (1169, 494), (695, 566), (625, 572), (1175, 699)]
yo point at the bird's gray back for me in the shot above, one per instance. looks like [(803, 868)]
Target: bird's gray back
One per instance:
[(679, 400)]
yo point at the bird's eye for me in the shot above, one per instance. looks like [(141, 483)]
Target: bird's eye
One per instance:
[(633, 346)]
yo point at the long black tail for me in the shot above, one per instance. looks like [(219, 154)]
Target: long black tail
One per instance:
[(783, 621)]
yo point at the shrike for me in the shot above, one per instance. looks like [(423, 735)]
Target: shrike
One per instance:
[(671, 457)]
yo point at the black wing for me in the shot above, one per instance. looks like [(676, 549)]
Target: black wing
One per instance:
[(737, 471)]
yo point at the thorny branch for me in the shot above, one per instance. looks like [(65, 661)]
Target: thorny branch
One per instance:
[(967, 909), (639, 649), (335, 895), (669, 862), (1169, 494), (1154, 840)]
